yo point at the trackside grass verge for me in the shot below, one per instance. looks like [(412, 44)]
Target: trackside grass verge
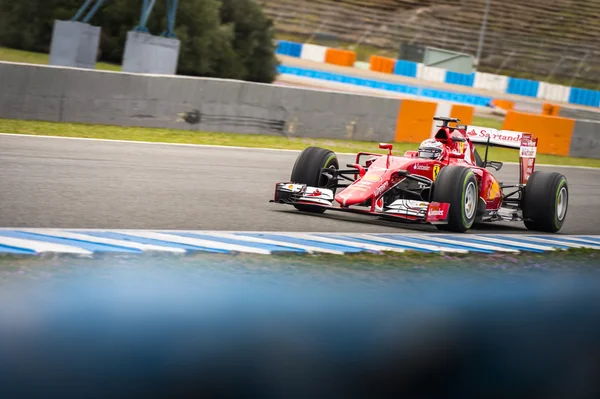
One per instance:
[(29, 57), (109, 132)]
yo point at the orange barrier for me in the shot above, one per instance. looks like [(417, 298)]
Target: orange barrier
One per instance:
[(382, 64), (554, 132), (463, 112), (341, 57), (414, 121), (504, 104)]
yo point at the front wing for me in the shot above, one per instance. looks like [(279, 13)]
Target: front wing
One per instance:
[(402, 210)]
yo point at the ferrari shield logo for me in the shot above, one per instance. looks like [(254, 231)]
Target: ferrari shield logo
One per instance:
[(436, 170)]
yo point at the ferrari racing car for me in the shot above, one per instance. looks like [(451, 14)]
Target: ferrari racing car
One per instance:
[(445, 182)]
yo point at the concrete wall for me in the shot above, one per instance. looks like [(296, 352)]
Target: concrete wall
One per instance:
[(78, 95), (585, 141), (59, 94)]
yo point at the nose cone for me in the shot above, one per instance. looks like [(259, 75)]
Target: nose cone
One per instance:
[(362, 190), (353, 196)]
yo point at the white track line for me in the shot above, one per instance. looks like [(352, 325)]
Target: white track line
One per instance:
[(429, 247), (366, 246), (458, 241), (108, 241), (40, 246), (197, 242), (579, 243), (308, 248), (516, 242), (238, 147)]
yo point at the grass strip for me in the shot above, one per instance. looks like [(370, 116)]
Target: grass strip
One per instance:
[(110, 132), (28, 57)]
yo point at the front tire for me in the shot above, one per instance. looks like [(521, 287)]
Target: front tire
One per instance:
[(545, 201), (457, 186), (307, 170)]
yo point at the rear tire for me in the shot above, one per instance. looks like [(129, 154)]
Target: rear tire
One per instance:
[(457, 186), (545, 201), (307, 170)]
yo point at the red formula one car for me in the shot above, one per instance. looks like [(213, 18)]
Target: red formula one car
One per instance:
[(445, 183)]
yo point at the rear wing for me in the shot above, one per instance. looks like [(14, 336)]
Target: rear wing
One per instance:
[(525, 142)]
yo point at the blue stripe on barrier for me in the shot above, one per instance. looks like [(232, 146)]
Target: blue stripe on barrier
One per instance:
[(471, 99), (462, 79), (374, 241), (87, 245), (482, 241), (524, 240), (268, 247), (431, 241), (584, 97), (523, 87), (405, 68), (292, 49), (142, 240), (6, 249), (300, 241)]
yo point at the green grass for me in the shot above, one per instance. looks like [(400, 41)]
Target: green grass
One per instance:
[(244, 140), (10, 55)]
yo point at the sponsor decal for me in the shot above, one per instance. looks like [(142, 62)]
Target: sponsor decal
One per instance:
[(437, 211), (371, 178), (381, 189), (495, 135), (422, 167), (436, 170), (528, 151)]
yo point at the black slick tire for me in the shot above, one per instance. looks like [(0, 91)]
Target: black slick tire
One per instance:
[(307, 170), (545, 201), (457, 186)]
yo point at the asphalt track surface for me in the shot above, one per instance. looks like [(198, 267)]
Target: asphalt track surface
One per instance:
[(73, 183)]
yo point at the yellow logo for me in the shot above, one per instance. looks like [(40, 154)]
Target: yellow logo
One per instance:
[(494, 190), (436, 170), (462, 146), (371, 178)]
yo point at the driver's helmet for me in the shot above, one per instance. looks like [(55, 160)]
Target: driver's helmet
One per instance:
[(430, 149)]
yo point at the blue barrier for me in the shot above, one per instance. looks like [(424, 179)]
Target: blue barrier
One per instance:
[(471, 99), (405, 68), (523, 87), (458, 78), (292, 49), (584, 97)]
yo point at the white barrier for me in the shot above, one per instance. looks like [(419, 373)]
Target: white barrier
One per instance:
[(431, 74), (554, 92), (490, 81), (313, 52)]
